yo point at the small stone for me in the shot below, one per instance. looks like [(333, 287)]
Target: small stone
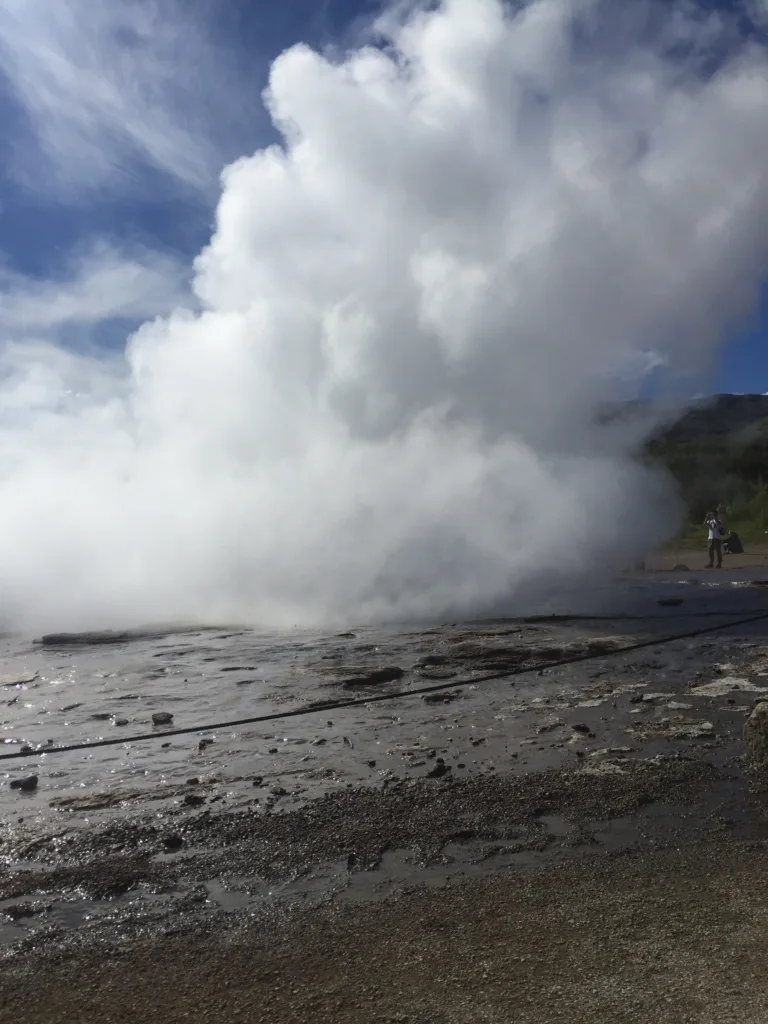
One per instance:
[(205, 742), (438, 771), (371, 764), (173, 841), (637, 699), (27, 785), (272, 750), (121, 721), (162, 718), (193, 782), (319, 742), (258, 781), (26, 749), (164, 746), (194, 800), (580, 727)]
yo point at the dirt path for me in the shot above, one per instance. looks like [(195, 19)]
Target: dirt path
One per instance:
[(754, 557), (660, 937)]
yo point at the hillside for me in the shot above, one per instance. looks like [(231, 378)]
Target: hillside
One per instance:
[(718, 452)]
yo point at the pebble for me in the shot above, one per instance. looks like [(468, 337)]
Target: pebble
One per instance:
[(194, 800), (162, 718), (28, 785)]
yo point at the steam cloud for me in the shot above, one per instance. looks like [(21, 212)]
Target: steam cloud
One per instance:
[(471, 237)]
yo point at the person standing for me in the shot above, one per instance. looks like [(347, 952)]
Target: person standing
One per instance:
[(715, 530)]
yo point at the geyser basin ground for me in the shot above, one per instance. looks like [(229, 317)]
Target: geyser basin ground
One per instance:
[(465, 854)]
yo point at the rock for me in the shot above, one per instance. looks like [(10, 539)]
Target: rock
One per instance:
[(19, 911), (439, 698), (272, 750), (756, 732), (438, 771), (347, 742), (28, 785), (580, 727), (173, 841), (371, 764), (374, 677), (162, 718), (121, 721), (206, 741), (193, 782), (549, 726), (26, 749), (638, 698), (691, 730), (258, 781), (670, 602), (680, 567), (431, 659), (101, 716), (319, 742), (194, 800)]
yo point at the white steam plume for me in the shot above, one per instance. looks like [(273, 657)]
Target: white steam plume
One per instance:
[(410, 312)]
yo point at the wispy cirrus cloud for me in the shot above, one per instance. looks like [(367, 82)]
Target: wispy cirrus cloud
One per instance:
[(100, 284), (109, 89)]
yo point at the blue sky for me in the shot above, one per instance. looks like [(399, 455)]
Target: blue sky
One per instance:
[(116, 120)]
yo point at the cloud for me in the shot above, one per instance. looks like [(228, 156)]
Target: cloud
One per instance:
[(102, 284), (409, 315), (109, 89)]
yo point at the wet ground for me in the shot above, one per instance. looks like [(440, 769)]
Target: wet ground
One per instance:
[(518, 766)]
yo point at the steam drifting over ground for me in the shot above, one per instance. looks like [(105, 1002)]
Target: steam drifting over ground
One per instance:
[(473, 234)]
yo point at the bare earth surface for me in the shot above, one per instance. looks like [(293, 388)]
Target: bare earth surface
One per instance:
[(573, 833), (755, 557), (665, 937)]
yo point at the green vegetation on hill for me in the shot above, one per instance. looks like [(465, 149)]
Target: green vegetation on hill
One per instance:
[(718, 453)]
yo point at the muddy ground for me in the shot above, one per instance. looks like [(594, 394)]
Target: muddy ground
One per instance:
[(581, 841)]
